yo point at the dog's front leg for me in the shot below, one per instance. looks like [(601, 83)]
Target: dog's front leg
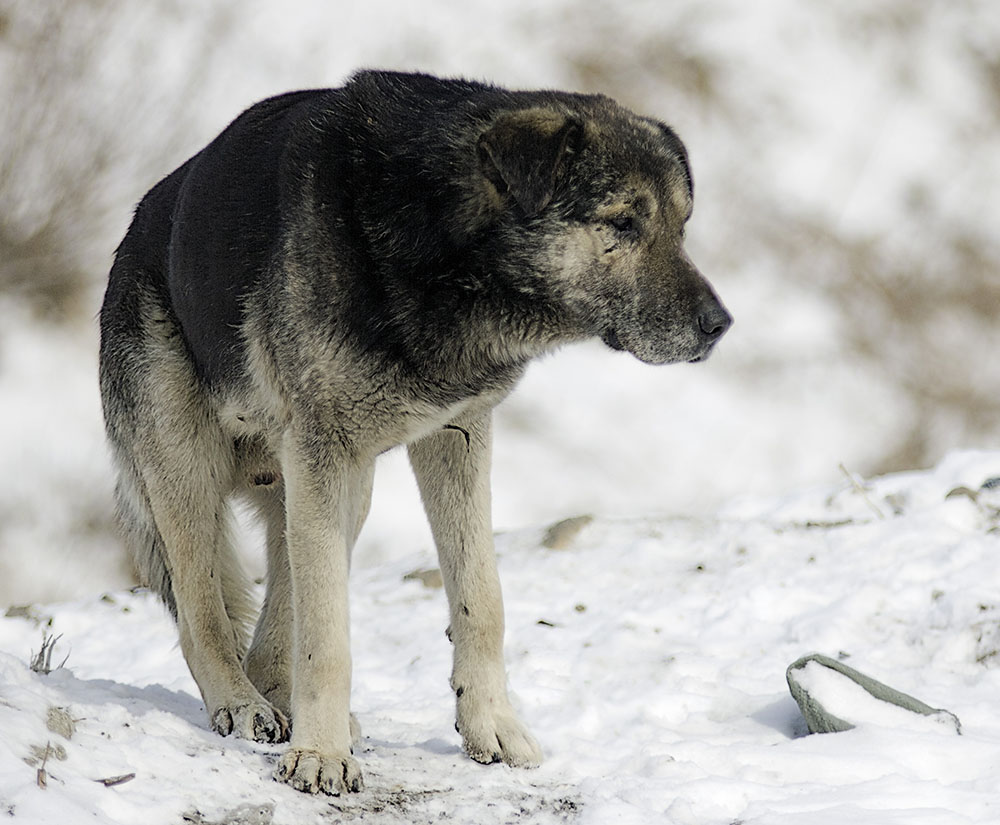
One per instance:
[(452, 469), (324, 499)]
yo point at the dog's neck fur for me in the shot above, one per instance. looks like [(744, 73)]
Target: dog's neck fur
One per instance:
[(417, 285)]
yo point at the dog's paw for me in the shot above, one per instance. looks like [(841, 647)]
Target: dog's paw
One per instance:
[(490, 735), (256, 721), (313, 772)]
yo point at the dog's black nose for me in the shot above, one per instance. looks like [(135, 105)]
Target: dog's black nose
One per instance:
[(714, 322)]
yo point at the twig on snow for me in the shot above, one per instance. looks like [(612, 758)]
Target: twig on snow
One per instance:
[(41, 777), (111, 781)]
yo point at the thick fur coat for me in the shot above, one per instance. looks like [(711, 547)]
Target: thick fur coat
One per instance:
[(344, 271)]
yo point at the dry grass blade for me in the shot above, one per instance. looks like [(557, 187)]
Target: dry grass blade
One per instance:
[(41, 662)]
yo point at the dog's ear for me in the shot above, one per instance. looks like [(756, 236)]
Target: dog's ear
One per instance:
[(523, 152)]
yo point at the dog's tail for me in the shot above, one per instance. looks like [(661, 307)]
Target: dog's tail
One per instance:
[(145, 544)]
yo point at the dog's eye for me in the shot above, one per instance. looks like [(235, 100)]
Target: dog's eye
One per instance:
[(625, 224)]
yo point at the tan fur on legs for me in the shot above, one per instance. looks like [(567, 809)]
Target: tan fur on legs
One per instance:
[(452, 469), (269, 660), (326, 501)]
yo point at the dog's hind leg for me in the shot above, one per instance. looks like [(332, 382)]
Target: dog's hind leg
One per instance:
[(176, 470), (452, 469), (268, 662), (142, 537), (192, 517)]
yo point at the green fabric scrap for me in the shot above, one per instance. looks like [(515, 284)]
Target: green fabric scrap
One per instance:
[(820, 720)]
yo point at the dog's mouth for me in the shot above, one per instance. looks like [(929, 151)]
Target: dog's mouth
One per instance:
[(611, 339), (703, 356)]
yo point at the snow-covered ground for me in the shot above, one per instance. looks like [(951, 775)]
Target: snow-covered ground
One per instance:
[(647, 655)]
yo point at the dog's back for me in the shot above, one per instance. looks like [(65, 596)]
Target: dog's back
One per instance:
[(202, 238)]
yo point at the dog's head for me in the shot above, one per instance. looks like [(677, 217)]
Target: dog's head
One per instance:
[(605, 195)]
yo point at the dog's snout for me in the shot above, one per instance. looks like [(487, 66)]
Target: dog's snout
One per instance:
[(714, 322)]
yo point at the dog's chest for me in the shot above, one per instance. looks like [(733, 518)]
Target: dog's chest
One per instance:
[(375, 423)]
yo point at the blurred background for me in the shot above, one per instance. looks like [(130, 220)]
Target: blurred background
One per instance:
[(846, 160)]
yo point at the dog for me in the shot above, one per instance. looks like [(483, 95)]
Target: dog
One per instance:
[(341, 272)]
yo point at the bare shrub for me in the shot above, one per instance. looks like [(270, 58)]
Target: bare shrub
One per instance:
[(86, 131), (41, 662), (50, 157)]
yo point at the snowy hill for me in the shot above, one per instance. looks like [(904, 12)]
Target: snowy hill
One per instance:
[(648, 657)]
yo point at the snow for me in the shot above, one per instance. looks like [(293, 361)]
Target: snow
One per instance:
[(647, 655)]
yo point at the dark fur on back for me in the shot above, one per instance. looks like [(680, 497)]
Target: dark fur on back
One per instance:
[(386, 156)]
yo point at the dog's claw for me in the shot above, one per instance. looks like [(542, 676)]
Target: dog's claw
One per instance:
[(222, 722), (498, 736), (254, 722), (312, 772)]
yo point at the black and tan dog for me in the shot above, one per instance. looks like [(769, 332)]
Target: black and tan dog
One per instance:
[(340, 272)]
